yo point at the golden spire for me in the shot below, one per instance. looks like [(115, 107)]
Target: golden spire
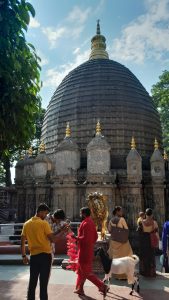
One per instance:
[(68, 131), (98, 27), (42, 147), (98, 45), (133, 143), (30, 151), (98, 128), (156, 144), (165, 155)]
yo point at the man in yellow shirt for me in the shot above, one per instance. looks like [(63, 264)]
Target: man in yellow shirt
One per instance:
[(39, 235)]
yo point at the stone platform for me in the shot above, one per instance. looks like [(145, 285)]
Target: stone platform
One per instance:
[(14, 290), (14, 281)]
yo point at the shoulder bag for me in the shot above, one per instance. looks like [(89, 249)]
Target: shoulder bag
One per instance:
[(119, 234)]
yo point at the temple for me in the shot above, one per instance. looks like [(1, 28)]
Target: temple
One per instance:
[(101, 133)]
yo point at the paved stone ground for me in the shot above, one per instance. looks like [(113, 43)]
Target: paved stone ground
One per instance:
[(14, 280)]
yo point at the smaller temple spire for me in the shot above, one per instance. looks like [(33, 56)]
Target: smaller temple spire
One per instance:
[(133, 143), (30, 151), (42, 147), (156, 146), (98, 27), (68, 131), (165, 155), (98, 128)]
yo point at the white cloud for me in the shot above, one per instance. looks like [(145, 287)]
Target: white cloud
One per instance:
[(76, 51), (99, 7), (78, 15), (146, 37), (44, 59), (54, 34), (73, 26), (55, 76), (75, 32), (34, 23)]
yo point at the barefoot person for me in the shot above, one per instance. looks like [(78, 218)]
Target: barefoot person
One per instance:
[(87, 236)]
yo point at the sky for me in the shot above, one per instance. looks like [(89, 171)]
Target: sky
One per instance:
[(136, 32)]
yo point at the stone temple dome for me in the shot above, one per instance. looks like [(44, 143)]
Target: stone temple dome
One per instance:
[(105, 90)]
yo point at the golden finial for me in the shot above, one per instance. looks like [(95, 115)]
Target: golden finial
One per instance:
[(98, 27), (156, 144), (30, 151), (68, 131), (98, 128), (42, 147), (98, 45), (165, 155), (133, 143)]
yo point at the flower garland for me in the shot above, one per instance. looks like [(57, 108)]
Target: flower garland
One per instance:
[(72, 252)]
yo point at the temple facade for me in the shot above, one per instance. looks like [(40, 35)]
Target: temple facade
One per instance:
[(101, 133)]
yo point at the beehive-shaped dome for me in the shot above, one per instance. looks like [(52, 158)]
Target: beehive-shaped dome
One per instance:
[(106, 90)]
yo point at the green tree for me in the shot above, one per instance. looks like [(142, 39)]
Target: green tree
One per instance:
[(2, 175), (19, 80), (160, 94), (37, 137)]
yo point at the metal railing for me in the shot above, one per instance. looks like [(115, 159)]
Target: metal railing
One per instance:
[(11, 232)]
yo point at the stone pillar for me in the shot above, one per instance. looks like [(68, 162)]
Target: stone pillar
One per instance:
[(98, 154), (134, 187), (65, 196), (134, 165), (67, 156), (158, 177)]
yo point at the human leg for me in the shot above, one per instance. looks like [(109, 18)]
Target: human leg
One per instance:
[(80, 281), (87, 273), (45, 268), (103, 288), (34, 273)]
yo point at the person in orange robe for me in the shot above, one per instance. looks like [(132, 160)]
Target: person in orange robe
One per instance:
[(86, 239)]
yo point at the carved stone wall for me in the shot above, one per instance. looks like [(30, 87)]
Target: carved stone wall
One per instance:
[(98, 161)]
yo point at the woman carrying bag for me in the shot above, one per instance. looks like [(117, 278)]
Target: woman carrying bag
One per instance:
[(149, 241), (119, 245)]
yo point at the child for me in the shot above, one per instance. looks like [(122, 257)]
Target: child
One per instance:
[(141, 217)]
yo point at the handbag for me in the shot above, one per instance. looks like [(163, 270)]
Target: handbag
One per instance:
[(164, 263), (119, 234)]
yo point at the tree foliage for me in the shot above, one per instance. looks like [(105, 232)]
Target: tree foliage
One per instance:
[(19, 76), (160, 94), (20, 83)]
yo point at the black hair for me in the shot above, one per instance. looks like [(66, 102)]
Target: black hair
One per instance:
[(149, 212), (59, 214), (85, 211), (42, 207), (117, 208)]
